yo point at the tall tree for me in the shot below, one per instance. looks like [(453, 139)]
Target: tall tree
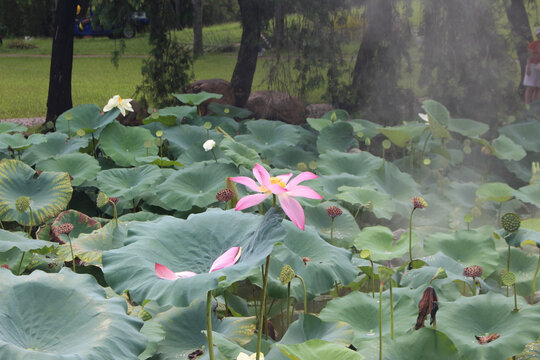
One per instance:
[(521, 29), (59, 98), (197, 27)]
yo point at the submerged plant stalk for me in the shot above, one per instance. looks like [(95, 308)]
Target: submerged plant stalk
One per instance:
[(391, 312), (534, 281), (305, 293), (209, 325), (380, 319), (263, 306)]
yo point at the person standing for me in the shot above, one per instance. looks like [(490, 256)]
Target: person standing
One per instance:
[(532, 70)]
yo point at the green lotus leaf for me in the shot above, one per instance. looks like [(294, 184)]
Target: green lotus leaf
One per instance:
[(337, 137), (229, 125), (318, 124), (309, 327), (269, 137), (532, 224), (379, 240), (159, 161), (64, 316), (124, 144), (197, 185), (318, 350), (154, 333), (291, 157), (86, 117), (9, 127), (82, 224), (204, 237), (467, 127), (81, 167), (506, 149), (19, 142), (437, 111), (438, 130), (496, 191), (49, 193), (198, 98), (188, 140), (399, 185), (361, 311), (383, 205), (180, 112), (357, 164), (417, 344), (345, 227), (523, 265), (402, 135), (168, 120), (337, 114), (524, 133), (130, 183), (15, 240), (56, 144), (89, 247), (517, 238), (488, 314), (229, 111), (468, 247), (529, 193)]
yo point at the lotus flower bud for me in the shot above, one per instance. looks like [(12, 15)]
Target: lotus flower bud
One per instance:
[(419, 202), (473, 271), (333, 211), (22, 204), (510, 222), (225, 195), (286, 275), (102, 199), (209, 145)]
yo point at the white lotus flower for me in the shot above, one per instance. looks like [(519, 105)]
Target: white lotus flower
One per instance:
[(243, 356), (423, 117), (209, 145), (118, 102)]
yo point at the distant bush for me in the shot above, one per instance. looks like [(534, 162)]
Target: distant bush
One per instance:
[(21, 44)]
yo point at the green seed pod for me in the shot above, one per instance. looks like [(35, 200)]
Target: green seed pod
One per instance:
[(301, 166), (22, 204), (508, 279), (511, 222), (286, 275), (102, 199), (207, 125), (144, 315)]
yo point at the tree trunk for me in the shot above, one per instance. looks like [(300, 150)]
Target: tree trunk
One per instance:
[(279, 27), (246, 63), (59, 98), (197, 28), (517, 16)]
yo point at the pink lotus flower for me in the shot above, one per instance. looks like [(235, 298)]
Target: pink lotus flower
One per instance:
[(280, 185), (228, 258)]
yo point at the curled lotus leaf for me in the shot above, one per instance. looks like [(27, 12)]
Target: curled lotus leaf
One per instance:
[(49, 193), (198, 98), (56, 144), (82, 224), (269, 137), (10, 240), (338, 136)]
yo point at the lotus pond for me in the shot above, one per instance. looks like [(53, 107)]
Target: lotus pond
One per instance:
[(227, 237)]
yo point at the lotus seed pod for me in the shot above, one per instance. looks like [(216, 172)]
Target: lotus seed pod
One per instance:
[(65, 228), (511, 222), (333, 211), (81, 132), (312, 165), (301, 166), (486, 151), (226, 110), (473, 271), (144, 315), (102, 199), (419, 202), (22, 204), (286, 275), (207, 125), (225, 195), (508, 278), (159, 133), (113, 200)]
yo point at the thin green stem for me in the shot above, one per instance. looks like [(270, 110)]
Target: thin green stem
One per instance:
[(94, 146), (209, 325), (515, 298), (115, 214), (372, 278), (534, 280), (332, 232), (391, 312), (305, 293), (214, 154), (273, 200), (358, 211), (380, 319), (20, 263), (288, 304), (410, 239), (72, 257), (263, 306), (508, 269)]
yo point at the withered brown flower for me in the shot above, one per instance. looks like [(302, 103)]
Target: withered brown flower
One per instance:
[(427, 305)]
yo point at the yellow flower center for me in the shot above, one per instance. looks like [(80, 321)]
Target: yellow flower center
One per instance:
[(274, 180), (119, 99)]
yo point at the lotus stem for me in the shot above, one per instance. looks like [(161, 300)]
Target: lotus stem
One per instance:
[(273, 200), (380, 319), (288, 304), (263, 306), (115, 214), (332, 232), (372, 278), (391, 312), (515, 298), (94, 146), (69, 128), (214, 154), (358, 211), (534, 281), (209, 325), (410, 239), (508, 269), (305, 293), (20, 263), (72, 257)]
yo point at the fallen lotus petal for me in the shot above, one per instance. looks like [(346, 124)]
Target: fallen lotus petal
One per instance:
[(487, 339)]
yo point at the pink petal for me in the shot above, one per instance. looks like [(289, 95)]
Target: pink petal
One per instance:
[(250, 200), (164, 272), (185, 274), (306, 175), (262, 176), (249, 182), (229, 258), (293, 209), (285, 177), (276, 189), (304, 191)]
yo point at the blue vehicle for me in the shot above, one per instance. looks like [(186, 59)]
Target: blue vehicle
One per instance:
[(86, 27)]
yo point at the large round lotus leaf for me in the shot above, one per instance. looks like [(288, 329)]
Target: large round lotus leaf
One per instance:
[(19, 142), (56, 143), (462, 193), (64, 316), (484, 315), (361, 311), (186, 138), (358, 164), (194, 186), (529, 193), (82, 224), (87, 117), (129, 183), (498, 192), (402, 135), (269, 137), (319, 350), (328, 264), (524, 133), (124, 144), (318, 123), (345, 227), (228, 124), (379, 240), (309, 327), (89, 247), (520, 236), (468, 247), (467, 127), (9, 127), (193, 245), (426, 343), (180, 112), (338, 136), (506, 149), (382, 204), (198, 98), (239, 153), (291, 157), (10, 240), (523, 265), (437, 111), (82, 167), (399, 185), (49, 192), (229, 111), (184, 330)]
